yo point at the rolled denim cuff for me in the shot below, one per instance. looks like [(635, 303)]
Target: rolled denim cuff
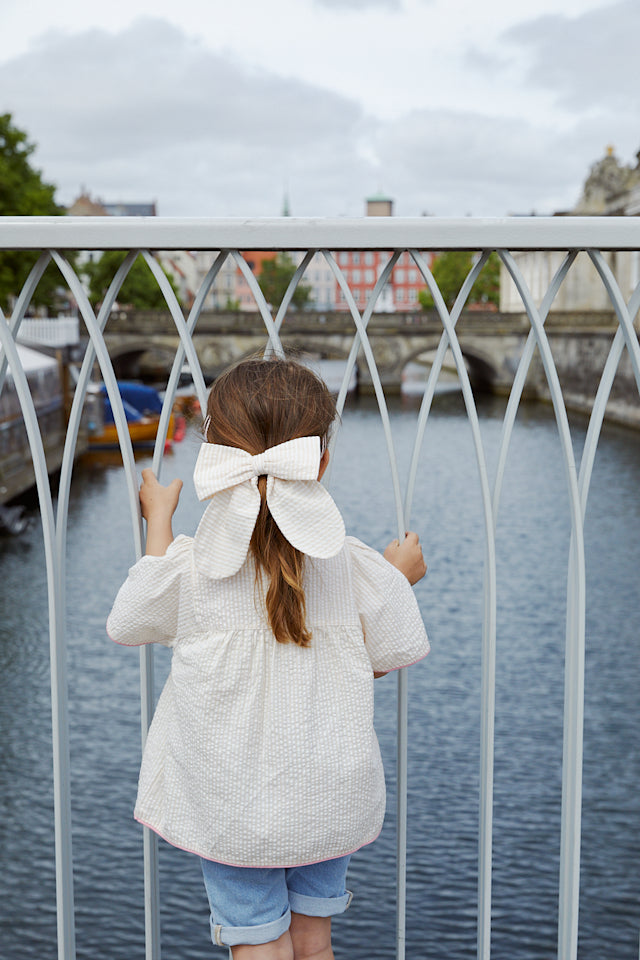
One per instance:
[(260, 933), (319, 906)]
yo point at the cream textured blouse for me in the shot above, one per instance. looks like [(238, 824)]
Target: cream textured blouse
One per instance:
[(260, 753)]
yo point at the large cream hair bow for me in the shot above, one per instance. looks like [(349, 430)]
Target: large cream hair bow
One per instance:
[(301, 507)]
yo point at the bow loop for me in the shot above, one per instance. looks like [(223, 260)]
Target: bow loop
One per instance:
[(302, 508)]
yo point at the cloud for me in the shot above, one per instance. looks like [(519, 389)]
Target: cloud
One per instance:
[(151, 112), (452, 163), (589, 61), (345, 5)]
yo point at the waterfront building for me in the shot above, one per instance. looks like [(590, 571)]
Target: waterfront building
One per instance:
[(319, 276), (254, 259), (85, 206), (230, 290), (363, 267), (610, 189)]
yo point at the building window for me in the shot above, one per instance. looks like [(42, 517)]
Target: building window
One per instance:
[(369, 276), (399, 296), (399, 276), (369, 258), (356, 257), (355, 276), (343, 259)]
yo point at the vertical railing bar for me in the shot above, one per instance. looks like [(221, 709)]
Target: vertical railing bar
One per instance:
[(600, 401), (291, 289), (379, 392), (77, 405), (58, 641), (261, 303), (355, 346), (622, 311), (574, 655), (186, 346), (150, 843), (432, 379), (402, 786), (366, 317), (73, 426), (401, 770), (521, 375), (194, 316), (111, 385), (58, 678), (487, 707), (21, 307), (593, 432)]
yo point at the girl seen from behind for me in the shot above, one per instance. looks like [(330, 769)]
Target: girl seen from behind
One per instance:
[(262, 758)]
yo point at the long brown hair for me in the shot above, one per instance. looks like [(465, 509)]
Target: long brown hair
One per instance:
[(255, 405)]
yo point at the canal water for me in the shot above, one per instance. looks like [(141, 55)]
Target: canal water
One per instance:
[(533, 544)]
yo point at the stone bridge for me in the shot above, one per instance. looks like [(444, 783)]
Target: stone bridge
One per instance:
[(143, 343)]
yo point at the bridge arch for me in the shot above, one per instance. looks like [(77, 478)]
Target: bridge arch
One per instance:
[(127, 357), (482, 370)]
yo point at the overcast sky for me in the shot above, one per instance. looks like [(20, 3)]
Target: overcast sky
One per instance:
[(213, 108)]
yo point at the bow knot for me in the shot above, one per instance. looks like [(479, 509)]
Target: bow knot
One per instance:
[(303, 510), (259, 464)]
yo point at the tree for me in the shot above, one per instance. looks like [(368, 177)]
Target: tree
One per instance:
[(23, 193), (140, 288), (275, 276), (450, 270)]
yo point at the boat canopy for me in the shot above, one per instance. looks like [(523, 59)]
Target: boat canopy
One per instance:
[(138, 400)]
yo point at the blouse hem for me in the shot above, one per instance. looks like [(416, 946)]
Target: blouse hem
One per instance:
[(264, 866), (403, 666)]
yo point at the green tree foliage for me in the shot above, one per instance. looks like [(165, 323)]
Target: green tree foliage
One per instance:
[(23, 193), (274, 279), (139, 290), (450, 270)]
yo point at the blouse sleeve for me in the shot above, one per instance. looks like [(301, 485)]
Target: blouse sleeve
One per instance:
[(394, 633), (155, 603)]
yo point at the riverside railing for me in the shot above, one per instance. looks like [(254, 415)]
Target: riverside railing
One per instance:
[(55, 236)]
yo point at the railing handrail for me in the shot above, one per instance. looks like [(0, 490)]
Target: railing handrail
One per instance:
[(298, 233)]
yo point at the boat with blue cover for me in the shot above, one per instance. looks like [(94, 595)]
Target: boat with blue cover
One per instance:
[(142, 406)]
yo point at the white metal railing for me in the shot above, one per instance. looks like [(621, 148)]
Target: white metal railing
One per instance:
[(594, 235), (50, 331)]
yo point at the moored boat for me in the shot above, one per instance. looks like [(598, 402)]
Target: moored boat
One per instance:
[(142, 407)]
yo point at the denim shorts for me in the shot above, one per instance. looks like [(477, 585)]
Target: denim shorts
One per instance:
[(253, 904)]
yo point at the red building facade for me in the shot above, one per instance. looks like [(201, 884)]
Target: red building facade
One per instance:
[(363, 267)]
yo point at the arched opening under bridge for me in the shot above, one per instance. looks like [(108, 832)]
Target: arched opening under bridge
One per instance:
[(482, 373)]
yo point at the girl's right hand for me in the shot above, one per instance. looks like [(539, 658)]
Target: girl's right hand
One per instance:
[(407, 557), (157, 502)]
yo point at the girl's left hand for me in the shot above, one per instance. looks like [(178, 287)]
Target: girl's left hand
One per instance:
[(407, 557)]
